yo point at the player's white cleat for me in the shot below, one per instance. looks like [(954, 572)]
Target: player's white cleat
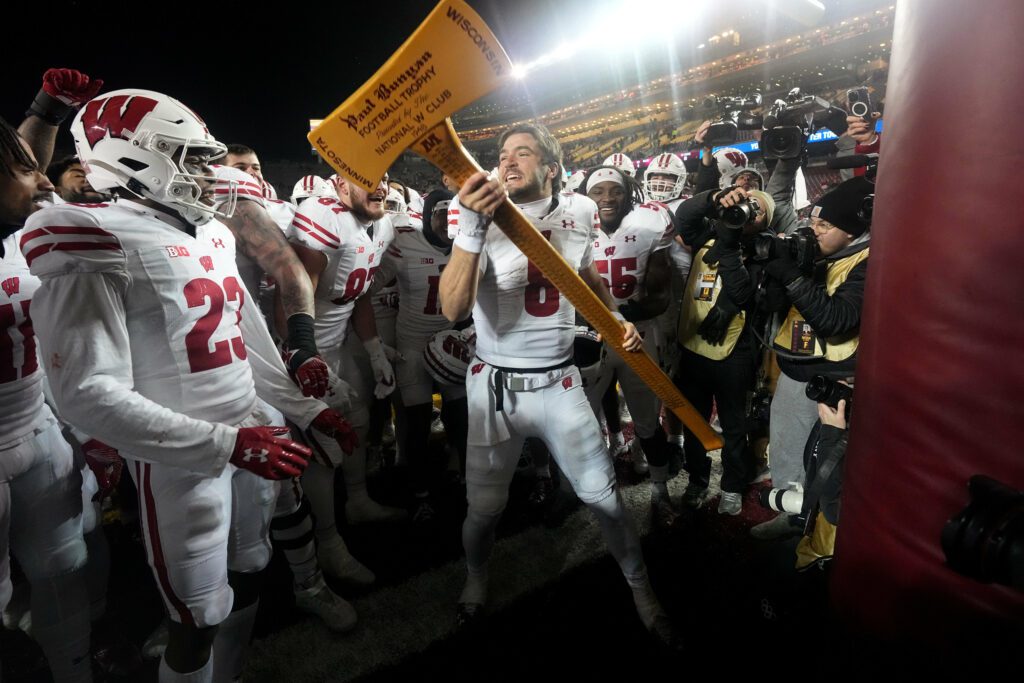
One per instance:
[(336, 561)]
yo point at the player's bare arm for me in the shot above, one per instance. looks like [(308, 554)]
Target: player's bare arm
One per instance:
[(657, 288), (313, 263), (259, 238), (631, 339)]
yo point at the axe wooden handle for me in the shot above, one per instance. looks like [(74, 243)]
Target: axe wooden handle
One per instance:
[(441, 147)]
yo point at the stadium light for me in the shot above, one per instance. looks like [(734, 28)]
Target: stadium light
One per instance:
[(637, 17)]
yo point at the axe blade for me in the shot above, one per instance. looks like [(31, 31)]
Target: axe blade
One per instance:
[(450, 61)]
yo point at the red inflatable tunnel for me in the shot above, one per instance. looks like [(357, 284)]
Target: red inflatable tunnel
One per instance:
[(940, 379)]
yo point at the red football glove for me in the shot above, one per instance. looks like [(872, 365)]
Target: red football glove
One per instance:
[(72, 88), (262, 451), (309, 372), (331, 423), (106, 464), (63, 91)]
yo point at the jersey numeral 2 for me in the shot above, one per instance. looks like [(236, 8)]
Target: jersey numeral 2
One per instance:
[(197, 342)]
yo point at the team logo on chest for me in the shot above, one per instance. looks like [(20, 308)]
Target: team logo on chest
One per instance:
[(206, 262), (609, 251), (11, 286), (568, 223), (629, 238)]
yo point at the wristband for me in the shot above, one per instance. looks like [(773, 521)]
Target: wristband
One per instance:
[(301, 335), (48, 108), (474, 244)]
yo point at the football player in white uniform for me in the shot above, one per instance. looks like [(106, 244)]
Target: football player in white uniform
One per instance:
[(522, 382), (261, 248), (69, 182), (167, 362), (630, 251), (665, 182), (341, 243), (417, 257), (39, 483)]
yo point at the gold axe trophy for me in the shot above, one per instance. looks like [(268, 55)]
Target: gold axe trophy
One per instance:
[(451, 60)]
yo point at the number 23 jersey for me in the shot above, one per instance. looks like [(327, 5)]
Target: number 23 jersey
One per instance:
[(111, 269)]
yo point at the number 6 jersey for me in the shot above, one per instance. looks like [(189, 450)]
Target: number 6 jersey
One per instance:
[(522, 320)]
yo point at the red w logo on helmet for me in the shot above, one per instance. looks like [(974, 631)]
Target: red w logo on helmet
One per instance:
[(114, 116)]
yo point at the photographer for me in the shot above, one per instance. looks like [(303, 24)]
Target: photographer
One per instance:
[(718, 353), (824, 467), (820, 332)]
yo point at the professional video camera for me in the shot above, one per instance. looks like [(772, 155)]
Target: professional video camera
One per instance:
[(801, 246), (788, 123), (729, 112)]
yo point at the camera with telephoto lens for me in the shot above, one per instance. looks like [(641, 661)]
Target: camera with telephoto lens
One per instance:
[(986, 540), (801, 246), (788, 123), (789, 500), (821, 389), (738, 215), (731, 116)]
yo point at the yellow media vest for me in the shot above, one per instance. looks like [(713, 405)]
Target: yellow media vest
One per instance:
[(797, 336), (702, 289)]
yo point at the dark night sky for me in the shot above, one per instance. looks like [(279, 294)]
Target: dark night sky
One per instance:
[(257, 78), (254, 79)]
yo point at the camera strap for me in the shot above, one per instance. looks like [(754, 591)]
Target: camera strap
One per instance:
[(823, 471)]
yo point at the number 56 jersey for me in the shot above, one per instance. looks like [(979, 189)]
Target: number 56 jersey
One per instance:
[(353, 252), (138, 325)]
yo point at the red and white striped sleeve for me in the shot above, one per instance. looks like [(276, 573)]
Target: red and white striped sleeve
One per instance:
[(316, 225), (68, 238)]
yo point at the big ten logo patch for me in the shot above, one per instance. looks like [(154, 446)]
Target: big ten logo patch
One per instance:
[(174, 252)]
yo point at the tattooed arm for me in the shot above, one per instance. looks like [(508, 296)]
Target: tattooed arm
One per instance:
[(258, 237)]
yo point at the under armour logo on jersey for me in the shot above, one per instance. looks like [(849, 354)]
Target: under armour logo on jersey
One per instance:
[(11, 285), (252, 454), (177, 251), (608, 251), (218, 242), (567, 383), (629, 238), (568, 224), (114, 116), (206, 262), (477, 368)]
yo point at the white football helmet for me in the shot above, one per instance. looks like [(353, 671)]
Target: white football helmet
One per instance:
[(395, 202), (731, 162), (621, 162), (575, 180), (268, 190), (140, 140), (448, 354), (312, 186), (660, 189)]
